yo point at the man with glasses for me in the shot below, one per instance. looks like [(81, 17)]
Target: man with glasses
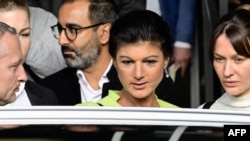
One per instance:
[(83, 32)]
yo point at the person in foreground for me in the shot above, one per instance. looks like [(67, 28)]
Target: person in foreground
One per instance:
[(230, 53), (140, 45)]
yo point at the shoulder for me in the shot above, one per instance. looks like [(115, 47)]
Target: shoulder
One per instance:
[(111, 99), (64, 84), (213, 103), (206, 105), (62, 75), (32, 86), (40, 95)]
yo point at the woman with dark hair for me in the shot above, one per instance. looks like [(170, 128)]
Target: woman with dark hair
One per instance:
[(230, 54), (140, 45)]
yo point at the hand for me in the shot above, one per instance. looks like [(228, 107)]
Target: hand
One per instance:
[(181, 58)]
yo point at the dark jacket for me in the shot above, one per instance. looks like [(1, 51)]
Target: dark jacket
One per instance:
[(65, 84), (40, 95)]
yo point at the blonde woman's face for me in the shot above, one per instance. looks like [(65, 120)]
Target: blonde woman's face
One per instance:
[(19, 19)]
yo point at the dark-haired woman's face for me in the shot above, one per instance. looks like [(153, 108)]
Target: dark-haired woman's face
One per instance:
[(232, 69), (140, 68)]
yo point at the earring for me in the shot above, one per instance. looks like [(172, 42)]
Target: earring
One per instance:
[(166, 73)]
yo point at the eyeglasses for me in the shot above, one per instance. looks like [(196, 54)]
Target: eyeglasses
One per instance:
[(70, 31)]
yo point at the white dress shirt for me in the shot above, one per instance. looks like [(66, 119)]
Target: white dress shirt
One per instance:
[(87, 92), (21, 97)]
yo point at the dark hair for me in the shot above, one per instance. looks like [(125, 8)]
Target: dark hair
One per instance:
[(6, 28), (100, 11), (140, 25), (12, 4), (236, 27)]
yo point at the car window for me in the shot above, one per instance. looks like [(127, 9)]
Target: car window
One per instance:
[(119, 124)]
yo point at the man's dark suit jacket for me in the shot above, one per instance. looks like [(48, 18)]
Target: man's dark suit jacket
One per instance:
[(40, 95), (65, 84)]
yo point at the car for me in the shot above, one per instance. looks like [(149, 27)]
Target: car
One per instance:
[(120, 123)]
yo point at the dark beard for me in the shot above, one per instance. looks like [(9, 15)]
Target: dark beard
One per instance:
[(84, 56)]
